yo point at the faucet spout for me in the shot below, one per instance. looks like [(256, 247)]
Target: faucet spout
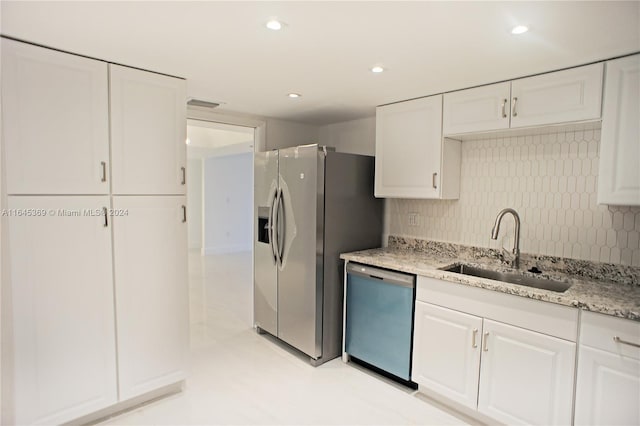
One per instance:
[(516, 239)]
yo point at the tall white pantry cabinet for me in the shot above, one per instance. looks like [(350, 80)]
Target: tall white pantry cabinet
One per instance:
[(95, 301)]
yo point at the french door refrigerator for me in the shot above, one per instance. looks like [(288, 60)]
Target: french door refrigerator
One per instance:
[(311, 204)]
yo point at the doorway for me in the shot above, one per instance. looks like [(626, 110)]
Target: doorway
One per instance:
[(220, 228), (220, 190)]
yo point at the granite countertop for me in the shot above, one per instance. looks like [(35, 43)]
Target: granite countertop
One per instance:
[(600, 288)]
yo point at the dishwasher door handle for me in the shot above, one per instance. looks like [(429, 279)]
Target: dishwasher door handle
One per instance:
[(389, 277)]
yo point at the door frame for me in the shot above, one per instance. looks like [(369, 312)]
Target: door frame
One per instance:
[(259, 144)]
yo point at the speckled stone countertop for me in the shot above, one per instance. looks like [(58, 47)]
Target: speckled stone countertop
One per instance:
[(604, 288)]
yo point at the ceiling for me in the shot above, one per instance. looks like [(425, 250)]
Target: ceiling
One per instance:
[(326, 49)]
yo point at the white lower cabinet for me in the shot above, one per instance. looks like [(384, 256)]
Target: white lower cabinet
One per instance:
[(61, 348), (512, 374), (152, 312), (446, 352), (525, 377), (608, 380), (608, 389), (64, 345)]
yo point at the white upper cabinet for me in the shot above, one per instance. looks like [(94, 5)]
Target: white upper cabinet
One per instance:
[(477, 110), (63, 324), (55, 121), (152, 306), (148, 132), (557, 97), (619, 174), (525, 377), (412, 160)]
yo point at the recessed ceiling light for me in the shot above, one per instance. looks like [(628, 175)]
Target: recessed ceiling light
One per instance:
[(519, 29), (294, 95), (377, 69), (274, 24)]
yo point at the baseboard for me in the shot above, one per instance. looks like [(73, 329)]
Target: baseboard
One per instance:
[(232, 248), (464, 413), (131, 404)]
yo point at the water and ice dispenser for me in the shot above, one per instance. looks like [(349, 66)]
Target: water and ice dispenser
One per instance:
[(263, 224)]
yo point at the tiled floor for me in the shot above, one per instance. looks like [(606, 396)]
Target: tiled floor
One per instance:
[(240, 377)]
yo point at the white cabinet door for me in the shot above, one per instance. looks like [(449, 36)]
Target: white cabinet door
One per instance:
[(477, 110), (446, 352), (525, 377), (150, 255), (148, 132), (570, 95), (607, 389), (64, 353), (619, 174), (608, 382), (409, 149), (55, 121)]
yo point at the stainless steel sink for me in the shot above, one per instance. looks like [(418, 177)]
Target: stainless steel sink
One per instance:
[(512, 278)]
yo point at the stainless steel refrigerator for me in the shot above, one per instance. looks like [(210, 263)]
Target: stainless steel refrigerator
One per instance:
[(311, 204)]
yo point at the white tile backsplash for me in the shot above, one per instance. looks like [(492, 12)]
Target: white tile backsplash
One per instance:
[(549, 179)]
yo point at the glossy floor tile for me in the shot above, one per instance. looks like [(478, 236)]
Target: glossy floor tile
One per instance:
[(240, 377)]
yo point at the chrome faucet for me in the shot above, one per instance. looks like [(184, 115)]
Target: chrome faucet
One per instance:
[(516, 237)]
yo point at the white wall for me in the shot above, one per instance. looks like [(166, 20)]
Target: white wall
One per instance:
[(283, 134), (228, 204), (194, 202), (355, 137)]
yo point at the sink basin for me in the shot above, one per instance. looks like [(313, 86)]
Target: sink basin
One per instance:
[(512, 278)]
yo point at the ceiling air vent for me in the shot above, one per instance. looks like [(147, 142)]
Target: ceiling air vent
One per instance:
[(204, 104)]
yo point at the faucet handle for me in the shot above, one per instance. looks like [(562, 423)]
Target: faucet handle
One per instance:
[(504, 255), (508, 258)]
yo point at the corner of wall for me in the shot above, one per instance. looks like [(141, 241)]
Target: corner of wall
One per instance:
[(284, 134), (354, 136)]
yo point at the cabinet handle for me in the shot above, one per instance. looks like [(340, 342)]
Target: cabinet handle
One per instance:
[(473, 338), (504, 108), (184, 175), (184, 213), (484, 342), (106, 216), (514, 112), (625, 342), (433, 180), (104, 171)]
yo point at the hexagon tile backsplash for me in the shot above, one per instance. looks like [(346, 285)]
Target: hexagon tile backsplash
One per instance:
[(549, 179)]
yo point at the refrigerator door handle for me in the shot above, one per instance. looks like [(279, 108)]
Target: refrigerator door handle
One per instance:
[(280, 225), (275, 226), (270, 226)]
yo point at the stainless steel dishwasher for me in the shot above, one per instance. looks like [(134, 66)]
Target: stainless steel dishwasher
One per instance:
[(379, 318)]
